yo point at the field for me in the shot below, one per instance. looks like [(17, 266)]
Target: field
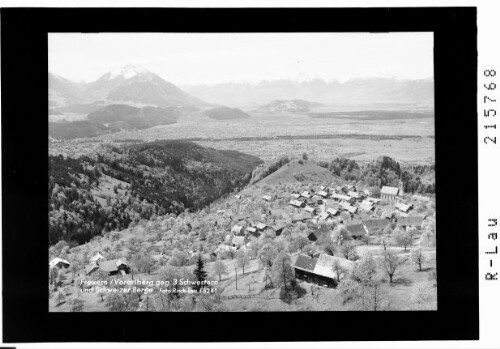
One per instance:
[(403, 136)]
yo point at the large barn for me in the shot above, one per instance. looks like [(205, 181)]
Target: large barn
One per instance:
[(319, 270)]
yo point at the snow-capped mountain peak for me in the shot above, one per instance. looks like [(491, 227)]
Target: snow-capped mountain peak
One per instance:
[(127, 72)]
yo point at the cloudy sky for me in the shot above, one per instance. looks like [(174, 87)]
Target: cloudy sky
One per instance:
[(185, 59)]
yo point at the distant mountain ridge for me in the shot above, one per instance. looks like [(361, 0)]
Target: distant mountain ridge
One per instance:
[(293, 106), (367, 90), (129, 84)]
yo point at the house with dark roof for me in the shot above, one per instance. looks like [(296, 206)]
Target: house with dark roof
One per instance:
[(318, 233), (403, 207), (304, 265), (356, 230), (301, 217), (58, 263), (296, 203), (267, 197), (389, 193), (373, 226), (411, 222), (319, 270), (112, 267), (278, 227)]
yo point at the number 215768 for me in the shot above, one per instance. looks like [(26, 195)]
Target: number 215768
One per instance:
[(489, 108)]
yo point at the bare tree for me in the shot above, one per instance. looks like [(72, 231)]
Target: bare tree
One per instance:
[(219, 268), (373, 297), (282, 271), (391, 263), (349, 250), (403, 238), (242, 259), (339, 270), (418, 258)]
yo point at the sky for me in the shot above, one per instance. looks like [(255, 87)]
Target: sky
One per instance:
[(206, 58)]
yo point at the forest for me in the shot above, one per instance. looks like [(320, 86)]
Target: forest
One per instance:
[(159, 178)]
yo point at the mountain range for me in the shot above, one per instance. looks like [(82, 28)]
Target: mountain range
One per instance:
[(127, 85), (355, 91)]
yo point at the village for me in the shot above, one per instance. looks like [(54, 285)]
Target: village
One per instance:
[(325, 229)]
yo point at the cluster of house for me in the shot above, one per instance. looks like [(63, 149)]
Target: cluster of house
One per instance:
[(96, 262), (320, 206), (112, 267)]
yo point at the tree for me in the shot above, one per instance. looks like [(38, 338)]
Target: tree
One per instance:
[(373, 297), (391, 263), (116, 302), (267, 255), (242, 259), (418, 258), (349, 251), (282, 271), (147, 303), (302, 242), (339, 270), (143, 262), (199, 273), (219, 268), (403, 238), (364, 270)]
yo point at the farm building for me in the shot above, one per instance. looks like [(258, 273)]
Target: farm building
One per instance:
[(356, 230), (320, 232), (301, 217), (296, 203), (411, 222), (238, 241), (228, 239), (324, 215), (348, 208), (319, 270), (374, 200), (304, 266), (332, 211), (323, 193), (375, 225), (252, 230), (261, 226), (278, 228), (112, 267), (237, 229), (340, 197), (366, 206), (97, 257), (58, 263), (277, 213), (403, 208), (389, 193), (310, 209), (267, 197), (239, 217), (354, 194), (224, 248)]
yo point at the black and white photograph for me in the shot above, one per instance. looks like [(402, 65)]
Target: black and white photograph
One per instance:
[(241, 172)]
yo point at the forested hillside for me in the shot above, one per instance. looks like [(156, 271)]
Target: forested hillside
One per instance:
[(147, 179)]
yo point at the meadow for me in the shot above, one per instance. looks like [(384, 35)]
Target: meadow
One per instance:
[(408, 140)]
